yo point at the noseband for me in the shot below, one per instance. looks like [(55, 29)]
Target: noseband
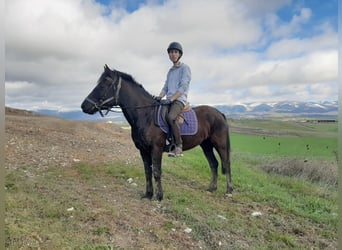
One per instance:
[(100, 106)]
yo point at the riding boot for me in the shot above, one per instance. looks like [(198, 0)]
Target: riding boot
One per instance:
[(178, 150)]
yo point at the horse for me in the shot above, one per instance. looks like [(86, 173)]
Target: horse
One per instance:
[(118, 89)]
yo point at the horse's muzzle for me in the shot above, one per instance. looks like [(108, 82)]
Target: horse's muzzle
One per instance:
[(88, 107)]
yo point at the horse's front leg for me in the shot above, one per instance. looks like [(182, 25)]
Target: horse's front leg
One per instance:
[(157, 172), (147, 160)]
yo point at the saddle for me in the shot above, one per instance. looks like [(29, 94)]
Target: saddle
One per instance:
[(180, 118), (187, 121)]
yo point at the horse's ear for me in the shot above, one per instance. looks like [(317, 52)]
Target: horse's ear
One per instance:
[(106, 67)]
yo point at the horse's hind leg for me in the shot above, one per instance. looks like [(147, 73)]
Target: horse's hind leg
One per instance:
[(226, 165), (207, 148), (224, 153)]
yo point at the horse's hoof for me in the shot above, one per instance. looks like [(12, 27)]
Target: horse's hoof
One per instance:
[(147, 196), (211, 190), (160, 197)]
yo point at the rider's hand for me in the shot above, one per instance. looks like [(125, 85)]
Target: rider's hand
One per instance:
[(157, 98), (165, 102)]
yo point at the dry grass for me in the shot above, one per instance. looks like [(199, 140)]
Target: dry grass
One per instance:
[(325, 172)]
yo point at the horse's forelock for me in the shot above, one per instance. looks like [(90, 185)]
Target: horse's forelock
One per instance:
[(105, 74)]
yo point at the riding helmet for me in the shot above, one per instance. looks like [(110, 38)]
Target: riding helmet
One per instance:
[(177, 46)]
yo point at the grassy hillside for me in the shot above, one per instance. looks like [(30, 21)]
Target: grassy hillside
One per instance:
[(98, 206), (290, 208), (85, 207)]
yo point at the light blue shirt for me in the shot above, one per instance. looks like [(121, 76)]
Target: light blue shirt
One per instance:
[(178, 79)]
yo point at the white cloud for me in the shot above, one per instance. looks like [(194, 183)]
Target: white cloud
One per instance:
[(55, 50), (316, 67), (294, 47), (280, 29)]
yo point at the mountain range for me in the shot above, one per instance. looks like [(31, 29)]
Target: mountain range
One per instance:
[(325, 110)]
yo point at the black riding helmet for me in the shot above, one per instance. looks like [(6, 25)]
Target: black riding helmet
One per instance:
[(177, 46)]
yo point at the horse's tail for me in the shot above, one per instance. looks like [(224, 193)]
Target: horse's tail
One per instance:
[(226, 166)]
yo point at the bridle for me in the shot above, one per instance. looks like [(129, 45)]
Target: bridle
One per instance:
[(101, 106)]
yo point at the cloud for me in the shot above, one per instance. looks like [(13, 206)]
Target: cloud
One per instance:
[(294, 47), (316, 67), (237, 50), (281, 29)]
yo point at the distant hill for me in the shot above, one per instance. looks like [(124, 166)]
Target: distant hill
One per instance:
[(326, 110), (79, 115)]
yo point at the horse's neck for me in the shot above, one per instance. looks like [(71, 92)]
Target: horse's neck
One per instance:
[(134, 104)]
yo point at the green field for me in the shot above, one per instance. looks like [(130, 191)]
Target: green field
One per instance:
[(285, 146), (285, 138), (293, 128)]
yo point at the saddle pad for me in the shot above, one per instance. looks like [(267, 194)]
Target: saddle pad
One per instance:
[(188, 127)]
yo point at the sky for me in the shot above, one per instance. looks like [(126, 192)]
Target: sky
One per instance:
[(239, 51)]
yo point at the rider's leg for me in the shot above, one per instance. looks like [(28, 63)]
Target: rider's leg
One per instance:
[(175, 109)]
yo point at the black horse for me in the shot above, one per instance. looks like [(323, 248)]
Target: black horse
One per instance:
[(115, 88)]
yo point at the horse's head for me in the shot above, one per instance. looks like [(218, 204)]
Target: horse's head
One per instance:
[(105, 95)]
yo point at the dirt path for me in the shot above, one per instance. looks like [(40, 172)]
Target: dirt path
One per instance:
[(44, 141)]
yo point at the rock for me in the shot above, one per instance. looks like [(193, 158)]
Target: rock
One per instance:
[(256, 214), (221, 217)]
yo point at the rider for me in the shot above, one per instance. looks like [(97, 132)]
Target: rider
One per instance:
[(176, 89)]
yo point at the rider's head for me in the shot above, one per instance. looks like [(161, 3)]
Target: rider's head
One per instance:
[(175, 46)]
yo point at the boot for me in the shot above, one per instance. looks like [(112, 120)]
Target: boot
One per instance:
[(177, 151)]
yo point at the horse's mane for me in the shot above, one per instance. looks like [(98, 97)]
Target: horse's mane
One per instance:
[(126, 77), (129, 78)]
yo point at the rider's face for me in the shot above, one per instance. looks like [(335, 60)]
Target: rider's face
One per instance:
[(174, 55)]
